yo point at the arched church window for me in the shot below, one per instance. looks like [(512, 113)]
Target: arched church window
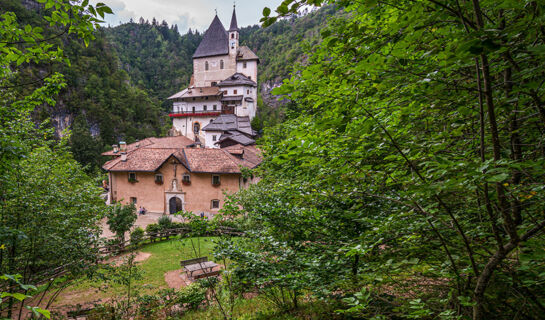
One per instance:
[(206, 65), (196, 127), (221, 64), (232, 35)]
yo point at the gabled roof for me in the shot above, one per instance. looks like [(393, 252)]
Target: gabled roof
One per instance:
[(211, 161), (142, 160), (234, 26), (215, 41), (248, 156), (152, 153), (230, 122), (197, 92), (237, 79), (174, 142), (244, 53), (236, 137)]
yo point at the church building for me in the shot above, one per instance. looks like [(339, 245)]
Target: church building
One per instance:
[(224, 82), (211, 141)]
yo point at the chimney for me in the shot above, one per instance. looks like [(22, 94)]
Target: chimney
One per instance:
[(137, 143), (115, 148), (123, 147)]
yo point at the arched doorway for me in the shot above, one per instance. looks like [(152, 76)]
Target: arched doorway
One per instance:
[(175, 205), (196, 127)]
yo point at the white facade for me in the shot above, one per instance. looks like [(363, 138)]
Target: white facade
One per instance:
[(212, 104), (206, 77), (186, 126), (191, 114), (248, 68), (247, 108), (211, 137)]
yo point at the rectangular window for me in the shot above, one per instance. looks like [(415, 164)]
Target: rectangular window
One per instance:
[(234, 92), (214, 83), (133, 200), (215, 204), (159, 178), (247, 91), (186, 179), (244, 64), (214, 138), (132, 177), (224, 91), (193, 109), (215, 107), (204, 107), (216, 180)]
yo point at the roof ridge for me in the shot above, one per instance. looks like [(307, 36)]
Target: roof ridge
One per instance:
[(215, 41)]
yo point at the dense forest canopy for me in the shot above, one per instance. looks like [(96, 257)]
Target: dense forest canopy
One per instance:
[(49, 207), (406, 179), (117, 86), (410, 169)]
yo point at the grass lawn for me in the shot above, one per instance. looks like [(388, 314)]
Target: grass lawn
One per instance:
[(258, 308), (165, 256)]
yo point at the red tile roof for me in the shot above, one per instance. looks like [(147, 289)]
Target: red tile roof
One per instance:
[(150, 154), (248, 156), (197, 92), (210, 160)]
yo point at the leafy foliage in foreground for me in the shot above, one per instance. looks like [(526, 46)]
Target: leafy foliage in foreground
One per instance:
[(49, 208), (411, 165)]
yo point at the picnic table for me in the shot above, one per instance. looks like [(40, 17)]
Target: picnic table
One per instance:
[(206, 266)]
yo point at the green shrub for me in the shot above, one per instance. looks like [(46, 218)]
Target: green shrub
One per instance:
[(137, 235), (152, 229), (148, 305), (165, 222), (192, 296), (178, 225)]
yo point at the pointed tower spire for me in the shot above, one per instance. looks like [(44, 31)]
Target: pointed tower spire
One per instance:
[(234, 25)]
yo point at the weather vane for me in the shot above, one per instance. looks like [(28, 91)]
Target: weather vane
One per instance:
[(216, 11)]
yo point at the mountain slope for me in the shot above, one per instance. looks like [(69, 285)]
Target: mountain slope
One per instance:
[(118, 85)]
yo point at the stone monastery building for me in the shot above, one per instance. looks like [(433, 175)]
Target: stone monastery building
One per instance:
[(217, 107), (211, 139)]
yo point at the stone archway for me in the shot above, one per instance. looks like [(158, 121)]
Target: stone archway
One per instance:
[(175, 204)]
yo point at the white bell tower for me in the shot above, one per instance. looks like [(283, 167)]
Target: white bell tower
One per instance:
[(233, 34)]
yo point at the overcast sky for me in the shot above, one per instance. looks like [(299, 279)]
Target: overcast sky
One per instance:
[(194, 14)]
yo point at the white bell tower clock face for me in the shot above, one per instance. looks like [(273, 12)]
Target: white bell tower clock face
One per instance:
[(232, 43)]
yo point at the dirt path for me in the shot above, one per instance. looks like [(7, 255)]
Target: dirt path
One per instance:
[(176, 279), (140, 256)]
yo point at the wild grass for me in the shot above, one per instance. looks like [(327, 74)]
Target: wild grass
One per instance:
[(165, 257)]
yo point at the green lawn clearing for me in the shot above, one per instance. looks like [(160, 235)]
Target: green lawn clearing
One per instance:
[(165, 256)]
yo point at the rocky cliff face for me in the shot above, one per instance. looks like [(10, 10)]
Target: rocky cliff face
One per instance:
[(268, 98)]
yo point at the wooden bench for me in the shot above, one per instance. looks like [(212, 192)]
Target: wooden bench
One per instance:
[(206, 274), (184, 263)]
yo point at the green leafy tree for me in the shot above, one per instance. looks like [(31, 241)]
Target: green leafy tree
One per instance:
[(49, 208), (410, 156), (121, 218)]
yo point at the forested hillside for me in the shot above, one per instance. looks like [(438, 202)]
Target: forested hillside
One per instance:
[(158, 58), (117, 86), (98, 100)]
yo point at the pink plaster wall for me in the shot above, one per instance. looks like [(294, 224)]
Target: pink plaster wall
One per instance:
[(197, 196)]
